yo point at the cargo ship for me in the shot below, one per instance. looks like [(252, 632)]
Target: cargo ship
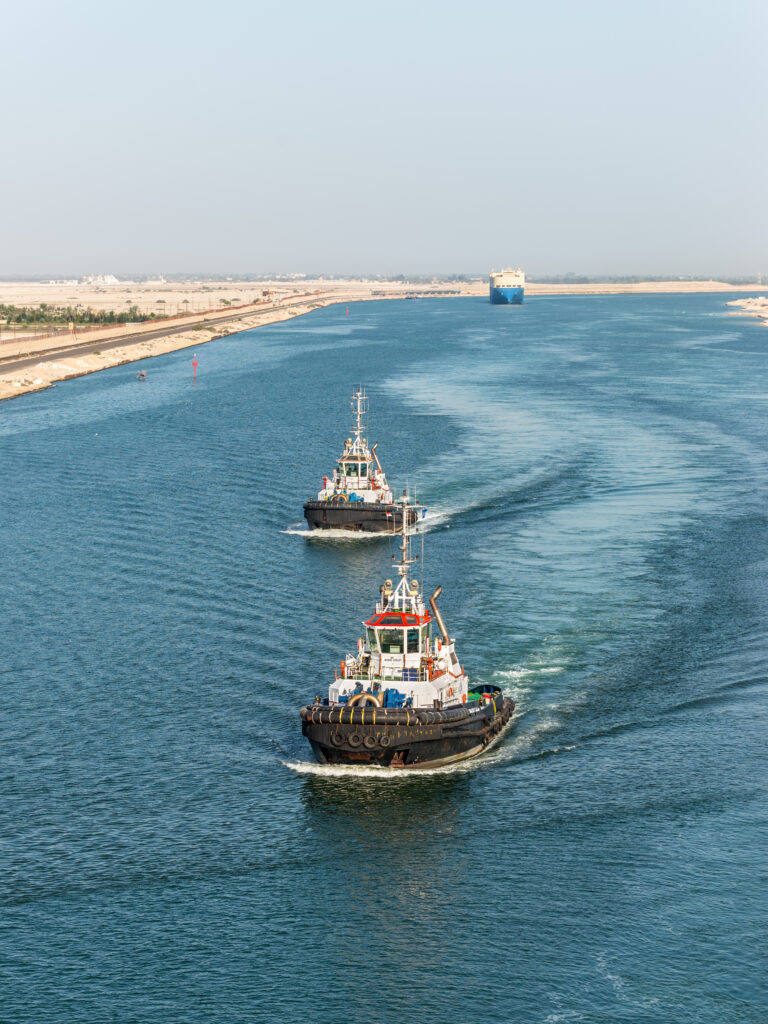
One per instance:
[(357, 496), (507, 287), (402, 700)]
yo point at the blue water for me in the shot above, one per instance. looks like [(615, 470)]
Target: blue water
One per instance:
[(597, 475)]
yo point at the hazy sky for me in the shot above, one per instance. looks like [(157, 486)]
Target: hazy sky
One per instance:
[(236, 137)]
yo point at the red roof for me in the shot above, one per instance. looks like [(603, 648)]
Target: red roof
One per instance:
[(397, 619)]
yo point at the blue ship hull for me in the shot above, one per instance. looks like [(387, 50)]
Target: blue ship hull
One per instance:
[(507, 296)]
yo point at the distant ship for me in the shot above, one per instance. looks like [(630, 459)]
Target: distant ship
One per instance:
[(507, 287), (357, 496)]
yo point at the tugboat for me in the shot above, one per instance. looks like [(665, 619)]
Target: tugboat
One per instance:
[(357, 495), (403, 700)]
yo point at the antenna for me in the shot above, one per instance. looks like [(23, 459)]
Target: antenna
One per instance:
[(405, 548), (422, 559), (359, 406)]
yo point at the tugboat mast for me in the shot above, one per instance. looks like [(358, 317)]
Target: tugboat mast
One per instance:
[(405, 545), (402, 596), (359, 409)]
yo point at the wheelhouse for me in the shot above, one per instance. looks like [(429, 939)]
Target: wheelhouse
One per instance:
[(398, 633), (348, 467)]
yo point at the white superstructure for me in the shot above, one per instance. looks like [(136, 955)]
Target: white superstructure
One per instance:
[(507, 278), (358, 475), (398, 654)]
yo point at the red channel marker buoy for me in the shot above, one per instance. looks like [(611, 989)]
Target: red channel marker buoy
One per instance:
[(194, 367)]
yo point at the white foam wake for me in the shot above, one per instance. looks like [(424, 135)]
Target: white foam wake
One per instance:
[(302, 530), (346, 535)]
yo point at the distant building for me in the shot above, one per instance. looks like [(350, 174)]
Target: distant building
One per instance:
[(99, 279)]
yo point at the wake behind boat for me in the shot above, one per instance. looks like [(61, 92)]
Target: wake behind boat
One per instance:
[(357, 496), (403, 700)]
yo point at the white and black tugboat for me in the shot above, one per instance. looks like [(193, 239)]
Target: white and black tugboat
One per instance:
[(357, 495), (403, 700)]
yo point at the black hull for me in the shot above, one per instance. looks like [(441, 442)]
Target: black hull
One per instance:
[(356, 515), (402, 738)]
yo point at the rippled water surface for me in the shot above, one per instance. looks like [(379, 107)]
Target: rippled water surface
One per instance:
[(597, 476)]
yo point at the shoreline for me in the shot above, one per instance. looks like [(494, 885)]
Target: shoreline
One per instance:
[(757, 308), (49, 366), (29, 364)]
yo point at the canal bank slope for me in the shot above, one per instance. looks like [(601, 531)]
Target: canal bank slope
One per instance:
[(29, 362)]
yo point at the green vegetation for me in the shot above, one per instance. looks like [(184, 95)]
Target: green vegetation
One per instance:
[(47, 314)]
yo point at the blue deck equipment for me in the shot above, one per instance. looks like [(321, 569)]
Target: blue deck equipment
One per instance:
[(393, 699)]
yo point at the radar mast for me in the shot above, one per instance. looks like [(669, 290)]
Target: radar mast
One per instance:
[(359, 405)]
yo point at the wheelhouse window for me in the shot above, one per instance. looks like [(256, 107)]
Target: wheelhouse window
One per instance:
[(352, 469), (373, 643), (398, 641), (392, 641)]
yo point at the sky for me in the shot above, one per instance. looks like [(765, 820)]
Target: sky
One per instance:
[(598, 138)]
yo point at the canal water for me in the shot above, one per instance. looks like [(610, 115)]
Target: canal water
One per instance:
[(596, 473)]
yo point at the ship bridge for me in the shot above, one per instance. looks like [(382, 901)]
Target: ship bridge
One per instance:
[(398, 633), (398, 653), (358, 468)]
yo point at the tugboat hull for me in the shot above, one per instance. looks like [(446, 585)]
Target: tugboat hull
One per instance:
[(356, 515), (401, 738)]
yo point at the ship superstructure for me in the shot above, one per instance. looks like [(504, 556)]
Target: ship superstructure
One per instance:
[(398, 660), (356, 496), (403, 699), (507, 287)]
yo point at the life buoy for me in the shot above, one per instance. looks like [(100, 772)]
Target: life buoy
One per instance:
[(430, 666)]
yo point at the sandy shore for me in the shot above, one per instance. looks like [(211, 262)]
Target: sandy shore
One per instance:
[(638, 288), (756, 307), (99, 350), (172, 298), (203, 311)]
